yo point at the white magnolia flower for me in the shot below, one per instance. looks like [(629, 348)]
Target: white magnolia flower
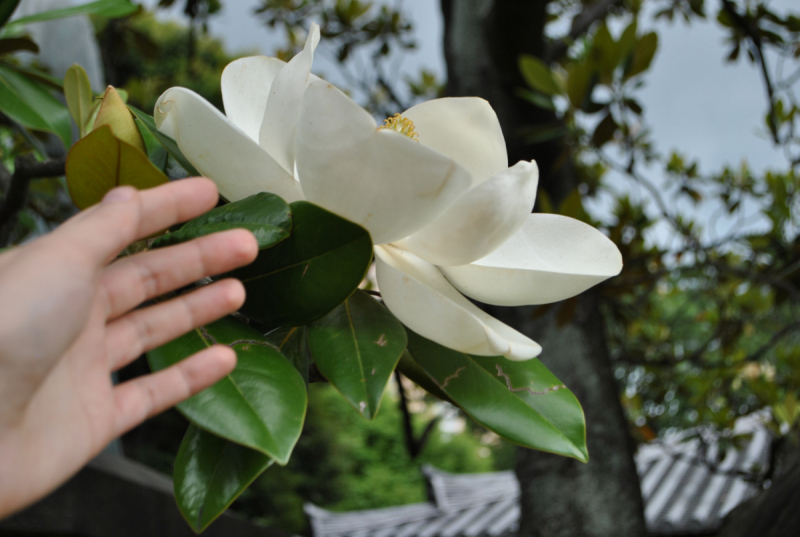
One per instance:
[(432, 186)]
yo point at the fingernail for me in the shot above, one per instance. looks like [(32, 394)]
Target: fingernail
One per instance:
[(123, 193)]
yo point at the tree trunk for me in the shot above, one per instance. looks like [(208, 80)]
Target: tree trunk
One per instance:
[(772, 512), (560, 496)]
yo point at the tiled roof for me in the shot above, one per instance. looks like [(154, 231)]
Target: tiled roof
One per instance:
[(682, 494)]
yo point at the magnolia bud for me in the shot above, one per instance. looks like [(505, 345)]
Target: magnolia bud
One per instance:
[(114, 113)]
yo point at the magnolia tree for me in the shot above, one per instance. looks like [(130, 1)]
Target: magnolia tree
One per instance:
[(428, 196)]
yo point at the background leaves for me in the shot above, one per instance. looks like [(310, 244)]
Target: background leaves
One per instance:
[(31, 105)]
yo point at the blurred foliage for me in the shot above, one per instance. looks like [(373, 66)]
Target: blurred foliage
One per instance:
[(365, 468), (703, 321), (361, 40), (145, 56)]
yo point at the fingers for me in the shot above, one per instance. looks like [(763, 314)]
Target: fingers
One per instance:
[(144, 397), (145, 329), (130, 281), (126, 214)]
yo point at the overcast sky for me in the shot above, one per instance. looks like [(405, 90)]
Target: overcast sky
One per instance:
[(694, 102)]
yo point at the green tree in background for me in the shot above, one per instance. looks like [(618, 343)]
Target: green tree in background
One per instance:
[(144, 56)]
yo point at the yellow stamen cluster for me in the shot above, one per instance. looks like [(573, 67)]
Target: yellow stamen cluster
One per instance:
[(401, 124)]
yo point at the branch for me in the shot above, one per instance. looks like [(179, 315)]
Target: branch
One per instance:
[(26, 168), (580, 25), (411, 444), (769, 279), (774, 340), (752, 32)]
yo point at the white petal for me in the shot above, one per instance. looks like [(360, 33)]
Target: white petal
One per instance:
[(480, 220), (219, 150), (417, 294), (551, 258), (465, 129), (279, 123), (245, 89), (379, 179)]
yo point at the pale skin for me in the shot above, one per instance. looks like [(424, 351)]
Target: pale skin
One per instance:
[(68, 319)]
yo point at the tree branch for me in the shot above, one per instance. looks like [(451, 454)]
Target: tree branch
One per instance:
[(752, 32), (580, 25), (774, 340), (26, 169)]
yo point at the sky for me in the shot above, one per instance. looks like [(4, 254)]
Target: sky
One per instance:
[(694, 102)]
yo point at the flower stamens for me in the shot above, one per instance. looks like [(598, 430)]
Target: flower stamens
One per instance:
[(400, 124)]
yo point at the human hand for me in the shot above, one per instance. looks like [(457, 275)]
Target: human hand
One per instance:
[(67, 320)]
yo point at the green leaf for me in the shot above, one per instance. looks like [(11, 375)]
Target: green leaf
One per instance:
[(30, 104), (643, 54), (15, 44), (535, 98), (293, 343), (99, 162), (412, 370), (604, 131), (579, 76), (210, 473), (627, 42), (538, 75), (103, 8), (7, 8), (356, 347), (79, 96), (521, 401), (156, 152), (261, 404), (604, 52), (35, 75), (169, 144), (265, 214), (310, 273)]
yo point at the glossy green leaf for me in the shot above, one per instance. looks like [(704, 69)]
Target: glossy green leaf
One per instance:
[(414, 372), (168, 143), (265, 214), (30, 104), (156, 152), (261, 404), (103, 8), (310, 273), (79, 96), (356, 347), (99, 162), (48, 81), (521, 401), (7, 8), (16, 44), (643, 54), (293, 343), (210, 473), (538, 75)]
